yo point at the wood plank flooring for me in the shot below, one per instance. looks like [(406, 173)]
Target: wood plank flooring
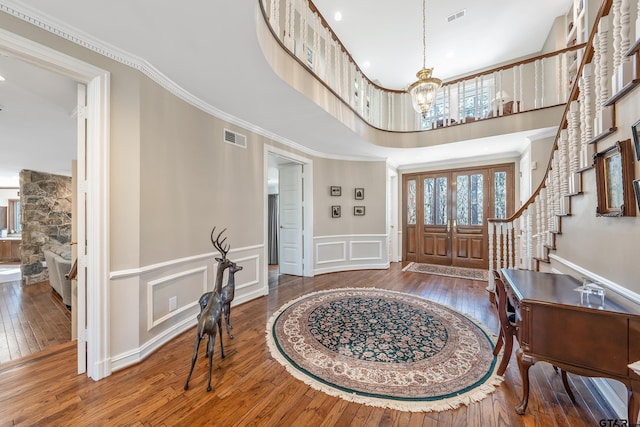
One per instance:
[(32, 318), (251, 388)]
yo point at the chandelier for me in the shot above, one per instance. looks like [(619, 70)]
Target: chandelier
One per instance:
[(423, 92)]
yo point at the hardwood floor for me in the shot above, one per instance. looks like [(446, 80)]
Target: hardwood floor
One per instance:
[(31, 320), (251, 388)]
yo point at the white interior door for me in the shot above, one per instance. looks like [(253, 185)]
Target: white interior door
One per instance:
[(80, 231), (392, 206), (290, 242)]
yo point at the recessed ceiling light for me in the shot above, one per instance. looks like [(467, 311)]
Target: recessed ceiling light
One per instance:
[(1, 78), (338, 16), (366, 64), (451, 54)]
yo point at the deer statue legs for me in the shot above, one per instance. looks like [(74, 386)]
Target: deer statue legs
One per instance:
[(227, 295), (210, 319)]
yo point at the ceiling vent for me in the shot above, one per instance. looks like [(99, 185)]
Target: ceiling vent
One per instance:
[(457, 15), (235, 138)]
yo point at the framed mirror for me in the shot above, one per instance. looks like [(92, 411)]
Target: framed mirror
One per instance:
[(614, 178)]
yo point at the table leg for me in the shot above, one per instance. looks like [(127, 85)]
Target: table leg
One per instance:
[(524, 363)]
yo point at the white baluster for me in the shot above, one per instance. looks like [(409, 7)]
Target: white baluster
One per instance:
[(529, 234), (505, 246), (499, 246), (274, 16), (617, 42), (563, 166), (490, 227), (515, 92), (508, 259), (587, 105), (521, 107), (556, 184), (536, 87)]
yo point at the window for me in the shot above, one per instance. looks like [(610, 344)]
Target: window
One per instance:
[(14, 223)]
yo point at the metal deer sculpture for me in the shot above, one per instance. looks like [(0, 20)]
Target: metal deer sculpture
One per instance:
[(227, 294), (223, 264), (210, 317)]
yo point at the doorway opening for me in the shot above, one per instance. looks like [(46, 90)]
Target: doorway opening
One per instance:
[(288, 214), (92, 191)]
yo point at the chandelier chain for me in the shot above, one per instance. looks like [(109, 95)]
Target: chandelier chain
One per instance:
[(424, 34)]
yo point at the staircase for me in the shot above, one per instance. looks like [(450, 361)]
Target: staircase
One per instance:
[(526, 239)]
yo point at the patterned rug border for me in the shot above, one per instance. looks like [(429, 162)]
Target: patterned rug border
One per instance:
[(491, 381), (414, 267)]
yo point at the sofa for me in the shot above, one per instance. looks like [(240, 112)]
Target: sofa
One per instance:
[(58, 267)]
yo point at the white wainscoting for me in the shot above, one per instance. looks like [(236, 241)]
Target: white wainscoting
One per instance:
[(350, 252), (141, 325)]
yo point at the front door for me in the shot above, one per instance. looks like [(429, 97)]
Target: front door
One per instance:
[(445, 214), (470, 198)]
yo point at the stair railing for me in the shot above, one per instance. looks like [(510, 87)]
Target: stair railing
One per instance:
[(524, 240)]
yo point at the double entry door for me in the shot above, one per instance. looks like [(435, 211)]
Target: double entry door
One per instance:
[(445, 214)]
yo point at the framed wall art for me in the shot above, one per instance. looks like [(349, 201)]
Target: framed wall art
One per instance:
[(359, 193), (358, 210), (636, 190), (336, 190), (335, 211), (614, 180), (635, 131)]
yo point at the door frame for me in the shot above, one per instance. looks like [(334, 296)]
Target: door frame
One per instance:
[(96, 262), (307, 208)]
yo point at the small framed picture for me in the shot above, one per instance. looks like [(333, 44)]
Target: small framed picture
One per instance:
[(635, 131), (358, 210), (636, 189), (359, 193), (336, 190), (335, 211)]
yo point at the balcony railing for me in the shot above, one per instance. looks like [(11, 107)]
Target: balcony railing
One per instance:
[(534, 83)]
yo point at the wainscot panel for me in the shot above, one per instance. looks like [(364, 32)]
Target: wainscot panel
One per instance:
[(351, 252), (168, 295)]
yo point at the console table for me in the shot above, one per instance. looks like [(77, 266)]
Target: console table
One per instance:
[(585, 340)]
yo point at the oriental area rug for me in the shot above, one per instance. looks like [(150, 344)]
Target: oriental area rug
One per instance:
[(384, 348), (445, 270)]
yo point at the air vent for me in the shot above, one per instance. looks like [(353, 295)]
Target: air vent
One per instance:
[(235, 138), (457, 15)]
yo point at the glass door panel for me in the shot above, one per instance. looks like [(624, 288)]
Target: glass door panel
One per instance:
[(435, 244), (468, 234)]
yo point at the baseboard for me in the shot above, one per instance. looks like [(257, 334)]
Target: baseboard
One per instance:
[(611, 396), (338, 268), (137, 355)]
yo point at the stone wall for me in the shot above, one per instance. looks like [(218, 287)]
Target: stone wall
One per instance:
[(45, 201)]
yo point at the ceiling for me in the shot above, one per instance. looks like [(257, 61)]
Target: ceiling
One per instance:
[(213, 55)]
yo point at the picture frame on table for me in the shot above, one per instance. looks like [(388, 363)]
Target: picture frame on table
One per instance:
[(336, 190)]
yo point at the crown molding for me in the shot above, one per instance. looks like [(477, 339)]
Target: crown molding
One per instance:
[(74, 35)]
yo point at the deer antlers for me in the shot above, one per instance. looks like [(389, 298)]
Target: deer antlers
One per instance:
[(219, 245)]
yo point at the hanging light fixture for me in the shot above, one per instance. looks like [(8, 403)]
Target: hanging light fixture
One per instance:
[(423, 92)]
